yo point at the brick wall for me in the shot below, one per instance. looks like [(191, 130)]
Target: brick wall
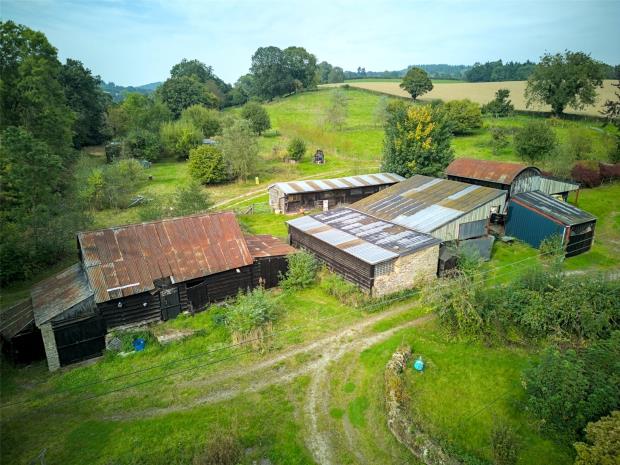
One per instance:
[(408, 271), (49, 342)]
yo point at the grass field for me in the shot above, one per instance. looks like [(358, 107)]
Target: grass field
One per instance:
[(481, 92)]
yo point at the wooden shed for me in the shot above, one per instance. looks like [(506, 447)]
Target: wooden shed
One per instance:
[(379, 256), (20, 338), (294, 196), (534, 216), (270, 258), (448, 210), (511, 177)]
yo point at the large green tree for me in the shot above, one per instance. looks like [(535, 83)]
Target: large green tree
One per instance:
[(204, 74), (335, 75), (535, 141), (87, 100), (416, 82), (564, 80), (417, 140), (258, 117), (137, 112), (179, 93), (240, 149)]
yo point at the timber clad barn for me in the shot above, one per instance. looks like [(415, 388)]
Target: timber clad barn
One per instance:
[(448, 210), (511, 177), (148, 272), (379, 256), (291, 197), (535, 216)]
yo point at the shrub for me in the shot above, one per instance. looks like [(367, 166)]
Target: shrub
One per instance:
[(207, 165), (499, 138), (142, 144), (112, 185), (296, 149), (552, 248), (579, 143), (570, 388), (535, 141), (189, 199), (258, 117), (500, 106), (609, 172), (603, 442), (240, 149), (463, 116), (343, 290), (205, 119), (251, 317), (302, 269), (179, 137), (587, 174), (505, 444), (222, 448)]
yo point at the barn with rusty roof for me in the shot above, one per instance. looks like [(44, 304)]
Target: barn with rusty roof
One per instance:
[(147, 272), (511, 177), (379, 256), (448, 210), (295, 196)]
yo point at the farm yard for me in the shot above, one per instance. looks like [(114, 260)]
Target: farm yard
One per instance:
[(303, 267)]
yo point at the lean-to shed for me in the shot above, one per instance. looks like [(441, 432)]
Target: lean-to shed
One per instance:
[(511, 177), (379, 256), (534, 216), (21, 339), (448, 210), (270, 257), (293, 196)]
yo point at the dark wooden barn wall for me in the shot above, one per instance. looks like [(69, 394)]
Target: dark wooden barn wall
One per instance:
[(308, 199), (133, 309), (25, 347), (580, 238), (336, 260), (80, 338), (269, 270)]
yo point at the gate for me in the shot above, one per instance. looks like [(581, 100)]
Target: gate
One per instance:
[(198, 296), (170, 303), (80, 340)]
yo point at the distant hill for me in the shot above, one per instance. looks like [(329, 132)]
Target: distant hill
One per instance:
[(118, 92)]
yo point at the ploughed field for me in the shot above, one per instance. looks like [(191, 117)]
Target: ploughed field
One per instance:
[(481, 92)]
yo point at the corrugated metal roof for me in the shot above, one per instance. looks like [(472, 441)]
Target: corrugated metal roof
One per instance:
[(562, 211), (367, 238), (375, 179), (550, 185), (16, 318), (486, 170), (264, 245), (62, 291), (424, 203), (126, 260)]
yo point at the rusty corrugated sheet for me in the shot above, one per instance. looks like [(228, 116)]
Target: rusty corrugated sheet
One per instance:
[(16, 318), (126, 260), (60, 292), (485, 170), (264, 245)]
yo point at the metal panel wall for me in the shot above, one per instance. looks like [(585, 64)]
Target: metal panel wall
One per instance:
[(450, 231), (530, 226), (473, 229)]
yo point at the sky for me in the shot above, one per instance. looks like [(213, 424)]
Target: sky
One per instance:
[(134, 42)]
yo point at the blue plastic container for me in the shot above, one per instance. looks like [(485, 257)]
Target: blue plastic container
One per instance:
[(138, 344), (418, 365)]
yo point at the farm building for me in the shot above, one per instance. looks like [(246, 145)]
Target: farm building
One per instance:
[(21, 339), (511, 177), (448, 210), (147, 272), (294, 196), (535, 216), (379, 256)]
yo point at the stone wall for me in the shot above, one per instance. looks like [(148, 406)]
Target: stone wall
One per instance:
[(408, 270), (49, 342), (420, 444)]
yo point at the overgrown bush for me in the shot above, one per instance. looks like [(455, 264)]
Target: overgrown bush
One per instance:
[(251, 316), (302, 269), (603, 442), (205, 119), (570, 388), (185, 200), (463, 116), (343, 290), (500, 106), (504, 444), (258, 117), (580, 143), (499, 138), (609, 172), (587, 174), (222, 448), (142, 145), (296, 149), (179, 137), (112, 186), (207, 165), (535, 141)]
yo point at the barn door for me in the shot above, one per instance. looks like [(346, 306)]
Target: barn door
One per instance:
[(80, 340), (170, 303), (198, 296)]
